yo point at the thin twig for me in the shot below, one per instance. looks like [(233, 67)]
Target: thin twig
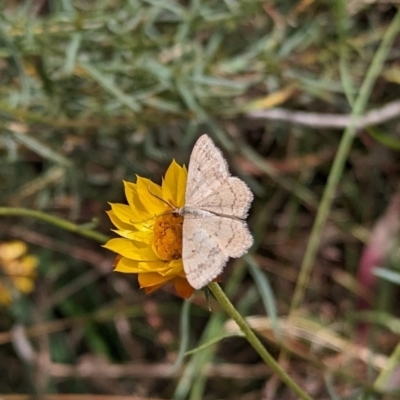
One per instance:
[(91, 368), (334, 121)]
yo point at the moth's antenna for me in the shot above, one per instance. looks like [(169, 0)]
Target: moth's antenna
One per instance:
[(164, 201), (144, 220), (173, 208)]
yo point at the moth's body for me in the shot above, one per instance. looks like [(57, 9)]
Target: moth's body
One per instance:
[(187, 210), (199, 213), (215, 207)]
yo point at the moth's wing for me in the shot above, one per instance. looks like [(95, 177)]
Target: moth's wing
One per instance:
[(206, 165), (209, 185), (208, 242), (232, 198), (203, 259), (232, 235)]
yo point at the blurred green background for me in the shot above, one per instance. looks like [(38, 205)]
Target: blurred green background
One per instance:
[(96, 91)]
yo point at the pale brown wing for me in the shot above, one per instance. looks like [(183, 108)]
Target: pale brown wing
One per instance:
[(208, 242), (210, 186)]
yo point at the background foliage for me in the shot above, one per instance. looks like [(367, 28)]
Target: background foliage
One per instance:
[(93, 92)]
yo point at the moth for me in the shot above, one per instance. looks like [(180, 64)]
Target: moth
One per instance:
[(216, 205)]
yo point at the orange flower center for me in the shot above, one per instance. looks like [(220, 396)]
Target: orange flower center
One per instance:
[(168, 237)]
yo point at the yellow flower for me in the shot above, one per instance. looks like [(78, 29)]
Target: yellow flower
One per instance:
[(151, 235), (18, 270)]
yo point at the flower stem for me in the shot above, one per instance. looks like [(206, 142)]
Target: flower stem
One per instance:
[(50, 219), (254, 341)]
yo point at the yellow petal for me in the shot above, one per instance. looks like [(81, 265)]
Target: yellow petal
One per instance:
[(5, 297), (182, 180), (172, 268), (128, 248), (29, 264), (131, 217), (116, 260), (127, 266), (24, 285), (136, 194), (151, 196), (145, 185), (152, 289), (170, 183), (12, 250), (182, 287), (161, 267), (11, 267), (151, 279), (167, 194), (136, 267), (153, 266), (122, 212), (117, 222), (132, 195), (177, 264), (138, 236), (174, 184)]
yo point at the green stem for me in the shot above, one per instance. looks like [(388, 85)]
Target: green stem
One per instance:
[(382, 381), (340, 159), (61, 223), (254, 341)]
